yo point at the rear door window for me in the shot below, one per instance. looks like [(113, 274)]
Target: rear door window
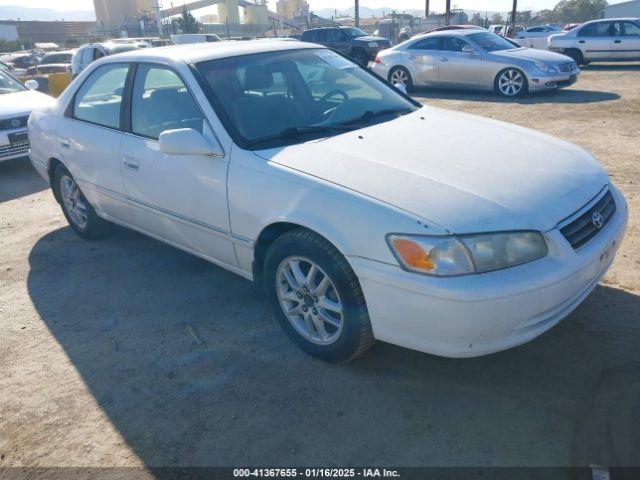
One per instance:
[(432, 43), (599, 29), (99, 99)]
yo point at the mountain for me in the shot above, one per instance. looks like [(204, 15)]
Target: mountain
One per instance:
[(11, 12), (366, 12)]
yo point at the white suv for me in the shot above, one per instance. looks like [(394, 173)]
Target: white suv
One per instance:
[(611, 39)]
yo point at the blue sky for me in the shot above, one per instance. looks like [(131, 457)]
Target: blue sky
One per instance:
[(492, 5)]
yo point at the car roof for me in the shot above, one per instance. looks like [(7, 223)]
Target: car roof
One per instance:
[(199, 52), (461, 32), (632, 19)]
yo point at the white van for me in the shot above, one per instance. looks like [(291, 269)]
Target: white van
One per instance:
[(194, 38)]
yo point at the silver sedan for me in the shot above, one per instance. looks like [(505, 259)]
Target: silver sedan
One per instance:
[(473, 59)]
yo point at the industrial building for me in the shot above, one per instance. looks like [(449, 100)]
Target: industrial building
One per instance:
[(113, 13), (62, 33), (292, 8), (624, 9)]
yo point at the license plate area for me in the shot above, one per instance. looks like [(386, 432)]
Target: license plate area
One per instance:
[(18, 137)]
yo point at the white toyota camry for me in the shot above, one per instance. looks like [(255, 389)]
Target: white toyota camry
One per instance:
[(364, 214)]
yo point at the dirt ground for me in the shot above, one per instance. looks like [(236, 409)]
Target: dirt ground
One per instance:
[(126, 352)]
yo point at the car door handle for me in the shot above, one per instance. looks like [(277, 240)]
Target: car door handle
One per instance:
[(64, 143), (130, 163), (617, 41)]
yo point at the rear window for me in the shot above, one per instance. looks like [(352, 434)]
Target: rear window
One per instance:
[(307, 36)]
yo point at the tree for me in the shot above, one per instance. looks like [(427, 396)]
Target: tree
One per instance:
[(187, 22), (524, 18), (477, 19), (578, 11), (497, 19), (572, 11)]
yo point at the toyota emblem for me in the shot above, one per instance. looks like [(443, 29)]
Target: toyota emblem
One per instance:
[(597, 220), (15, 123)]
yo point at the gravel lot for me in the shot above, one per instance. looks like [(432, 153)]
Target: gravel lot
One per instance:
[(127, 352)]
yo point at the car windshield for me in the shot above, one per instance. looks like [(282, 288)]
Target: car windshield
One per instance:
[(8, 84), (491, 42), (354, 32), (289, 96), (56, 58)]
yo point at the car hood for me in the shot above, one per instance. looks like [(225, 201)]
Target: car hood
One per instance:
[(463, 173), (532, 54), (371, 38), (22, 103)]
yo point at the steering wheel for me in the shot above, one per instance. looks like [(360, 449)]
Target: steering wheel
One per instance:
[(333, 93), (327, 113)]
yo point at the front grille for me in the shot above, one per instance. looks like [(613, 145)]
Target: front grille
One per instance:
[(13, 123), (14, 149), (589, 224), (567, 67)]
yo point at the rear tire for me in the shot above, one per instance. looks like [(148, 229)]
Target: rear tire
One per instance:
[(401, 75), (316, 297), (576, 55), (77, 210)]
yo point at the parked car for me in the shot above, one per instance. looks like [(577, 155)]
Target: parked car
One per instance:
[(20, 62), (570, 26), (536, 37), (87, 54), (613, 39), (358, 209), (194, 38), (16, 103), (347, 40), (474, 60), (53, 62)]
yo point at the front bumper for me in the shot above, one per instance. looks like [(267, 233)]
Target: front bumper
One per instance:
[(12, 145), (480, 314), (539, 83)]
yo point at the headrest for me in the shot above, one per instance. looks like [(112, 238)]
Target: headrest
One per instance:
[(257, 77)]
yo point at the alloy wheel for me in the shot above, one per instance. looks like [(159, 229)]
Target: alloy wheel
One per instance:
[(309, 300), (511, 82), (74, 202), (399, 76)]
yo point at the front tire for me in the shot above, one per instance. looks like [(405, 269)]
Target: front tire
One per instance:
[(316, 297), (360, 57), (77, 210), (511, 83), (401, 75)]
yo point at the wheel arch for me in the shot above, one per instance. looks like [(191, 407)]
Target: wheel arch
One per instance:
[(522, 71), (270, 233), (52, 164)]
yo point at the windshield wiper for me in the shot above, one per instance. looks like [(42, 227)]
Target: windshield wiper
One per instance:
[(371, 114), (294, 132)]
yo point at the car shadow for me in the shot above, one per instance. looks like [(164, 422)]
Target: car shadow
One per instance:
[(18, 179), (188, 364), (560, 96), (612, 66)]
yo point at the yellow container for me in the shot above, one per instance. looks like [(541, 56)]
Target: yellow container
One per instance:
[(58, 82)]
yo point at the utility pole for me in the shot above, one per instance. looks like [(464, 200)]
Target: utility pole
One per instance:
[(514, 14), (357, 14), (159, 19), (447, 18), (426, 8)]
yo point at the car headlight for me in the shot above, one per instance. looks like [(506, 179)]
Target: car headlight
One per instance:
[(543, 67), (466, 254), (373, 45)]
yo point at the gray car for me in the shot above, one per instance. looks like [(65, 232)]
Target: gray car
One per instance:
[(473, 59)]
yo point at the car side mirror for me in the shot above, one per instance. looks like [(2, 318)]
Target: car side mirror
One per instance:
[(468, 49), (186, 141), (32, 84), (401, 86)]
